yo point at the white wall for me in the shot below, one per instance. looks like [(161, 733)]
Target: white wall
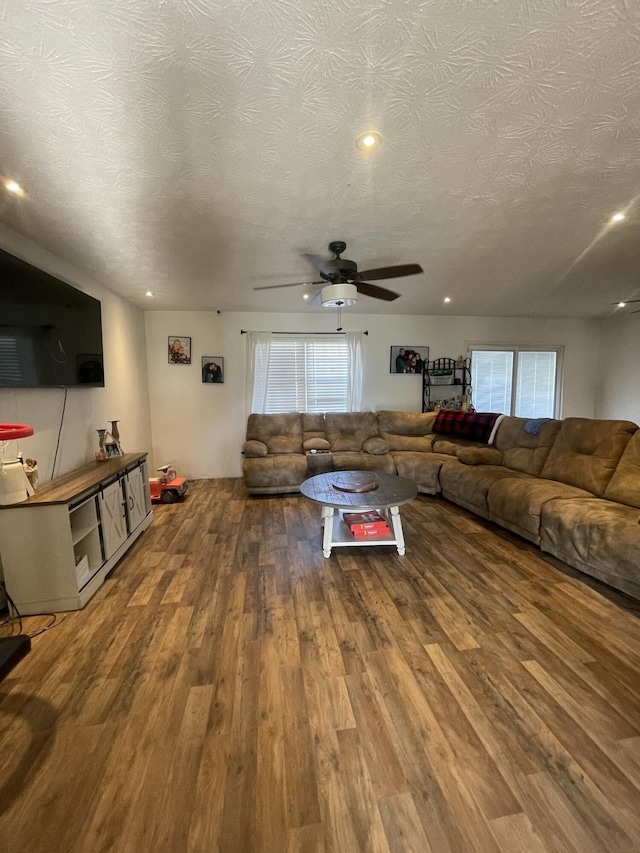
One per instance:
[(618, 393), (124, 396), (200, 428)]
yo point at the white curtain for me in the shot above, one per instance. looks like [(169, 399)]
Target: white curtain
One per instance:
[(258, 354), (354, 386)]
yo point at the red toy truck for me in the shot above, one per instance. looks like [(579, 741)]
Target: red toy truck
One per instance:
[(168, 487)]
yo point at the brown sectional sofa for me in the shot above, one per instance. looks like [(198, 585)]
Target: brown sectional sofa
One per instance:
[(573, 488)]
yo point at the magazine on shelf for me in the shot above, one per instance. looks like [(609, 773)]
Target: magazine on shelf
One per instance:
[(371, 516)]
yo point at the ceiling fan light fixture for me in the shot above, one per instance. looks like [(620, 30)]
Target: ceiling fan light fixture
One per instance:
[(339, 295), (369, 140)]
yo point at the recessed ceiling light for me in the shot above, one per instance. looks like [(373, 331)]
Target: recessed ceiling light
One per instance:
[(447, 299), (13, 187), (369, 140), (148, 293), (618, 217), (305, 295), (621, 304)]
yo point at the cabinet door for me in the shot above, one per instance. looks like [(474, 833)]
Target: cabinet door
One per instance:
[(135, 494), (112, 517)]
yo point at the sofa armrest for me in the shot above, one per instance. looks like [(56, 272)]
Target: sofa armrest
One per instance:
[(255, 448), (479, 455)]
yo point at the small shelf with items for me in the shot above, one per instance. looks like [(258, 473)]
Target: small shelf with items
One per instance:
[(446, 384), (83, 519)]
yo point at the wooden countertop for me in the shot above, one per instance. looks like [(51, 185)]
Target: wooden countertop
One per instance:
[(64, 489)]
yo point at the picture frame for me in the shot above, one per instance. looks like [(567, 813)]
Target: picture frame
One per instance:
[(179, 349), (408, 359), (213, 369)]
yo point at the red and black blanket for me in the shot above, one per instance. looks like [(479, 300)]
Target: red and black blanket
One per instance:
[(475, 426)]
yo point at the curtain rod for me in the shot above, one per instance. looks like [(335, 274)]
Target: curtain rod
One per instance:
[(307, 334)]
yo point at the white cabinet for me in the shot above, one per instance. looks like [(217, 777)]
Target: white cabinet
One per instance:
[(136, 491), (59, 545), (113, 517)]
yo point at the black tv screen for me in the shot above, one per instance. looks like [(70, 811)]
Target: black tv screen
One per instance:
[(50, 332)]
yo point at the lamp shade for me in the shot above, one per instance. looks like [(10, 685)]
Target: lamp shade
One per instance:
[(339, 295), (14, 483)]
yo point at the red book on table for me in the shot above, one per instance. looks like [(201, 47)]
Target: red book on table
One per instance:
[(379, 529)]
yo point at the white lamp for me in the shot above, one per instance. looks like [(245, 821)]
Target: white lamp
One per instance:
[(339, 295)]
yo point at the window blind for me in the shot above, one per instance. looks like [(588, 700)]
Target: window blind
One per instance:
[(515, 381), (307, 374), (535, 387), (491, 380)]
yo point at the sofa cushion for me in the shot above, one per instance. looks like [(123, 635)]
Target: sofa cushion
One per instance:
[(275, 472), (624, 486), (316, 444), (313, 426), (451, 448), (586, 452), (255, 448), (479, 455), (407, 431), (517, 505), (596, 536), (349, 460), (281, 433), (350, 430), (521, 450), (422, 468), (468, 486), (376, 445)]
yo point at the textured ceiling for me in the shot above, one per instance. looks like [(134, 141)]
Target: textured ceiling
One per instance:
[(196, 148)]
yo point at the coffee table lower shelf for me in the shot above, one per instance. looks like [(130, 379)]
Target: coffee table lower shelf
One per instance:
[(336, 534)]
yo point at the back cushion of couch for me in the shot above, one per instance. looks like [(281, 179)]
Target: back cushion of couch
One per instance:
[(350, 430), (586, 452), (281, 433), (522, 451), (625, 483), (313, 426), (412, 431)]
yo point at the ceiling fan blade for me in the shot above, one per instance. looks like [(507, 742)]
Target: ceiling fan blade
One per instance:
[(392, 272), (318, 263), (295, 284), (626, 301), (375, 291)]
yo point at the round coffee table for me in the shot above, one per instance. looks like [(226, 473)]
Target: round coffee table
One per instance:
[(390, 494)]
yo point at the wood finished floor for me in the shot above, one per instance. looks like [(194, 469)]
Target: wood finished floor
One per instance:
[(228, 689)]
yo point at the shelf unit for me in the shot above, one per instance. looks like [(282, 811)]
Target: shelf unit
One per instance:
[(446, 383), (59, 545)]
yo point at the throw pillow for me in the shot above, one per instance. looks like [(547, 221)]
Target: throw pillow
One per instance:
[(376, 446)]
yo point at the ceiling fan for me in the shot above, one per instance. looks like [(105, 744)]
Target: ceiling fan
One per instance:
[(623, 302), (342, 282)]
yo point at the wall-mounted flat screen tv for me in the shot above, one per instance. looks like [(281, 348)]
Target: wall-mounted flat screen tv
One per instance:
[(50, 332)]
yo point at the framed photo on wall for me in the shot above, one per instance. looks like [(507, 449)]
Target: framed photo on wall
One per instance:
[(408, 359), (179, 349), (213, 369)]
